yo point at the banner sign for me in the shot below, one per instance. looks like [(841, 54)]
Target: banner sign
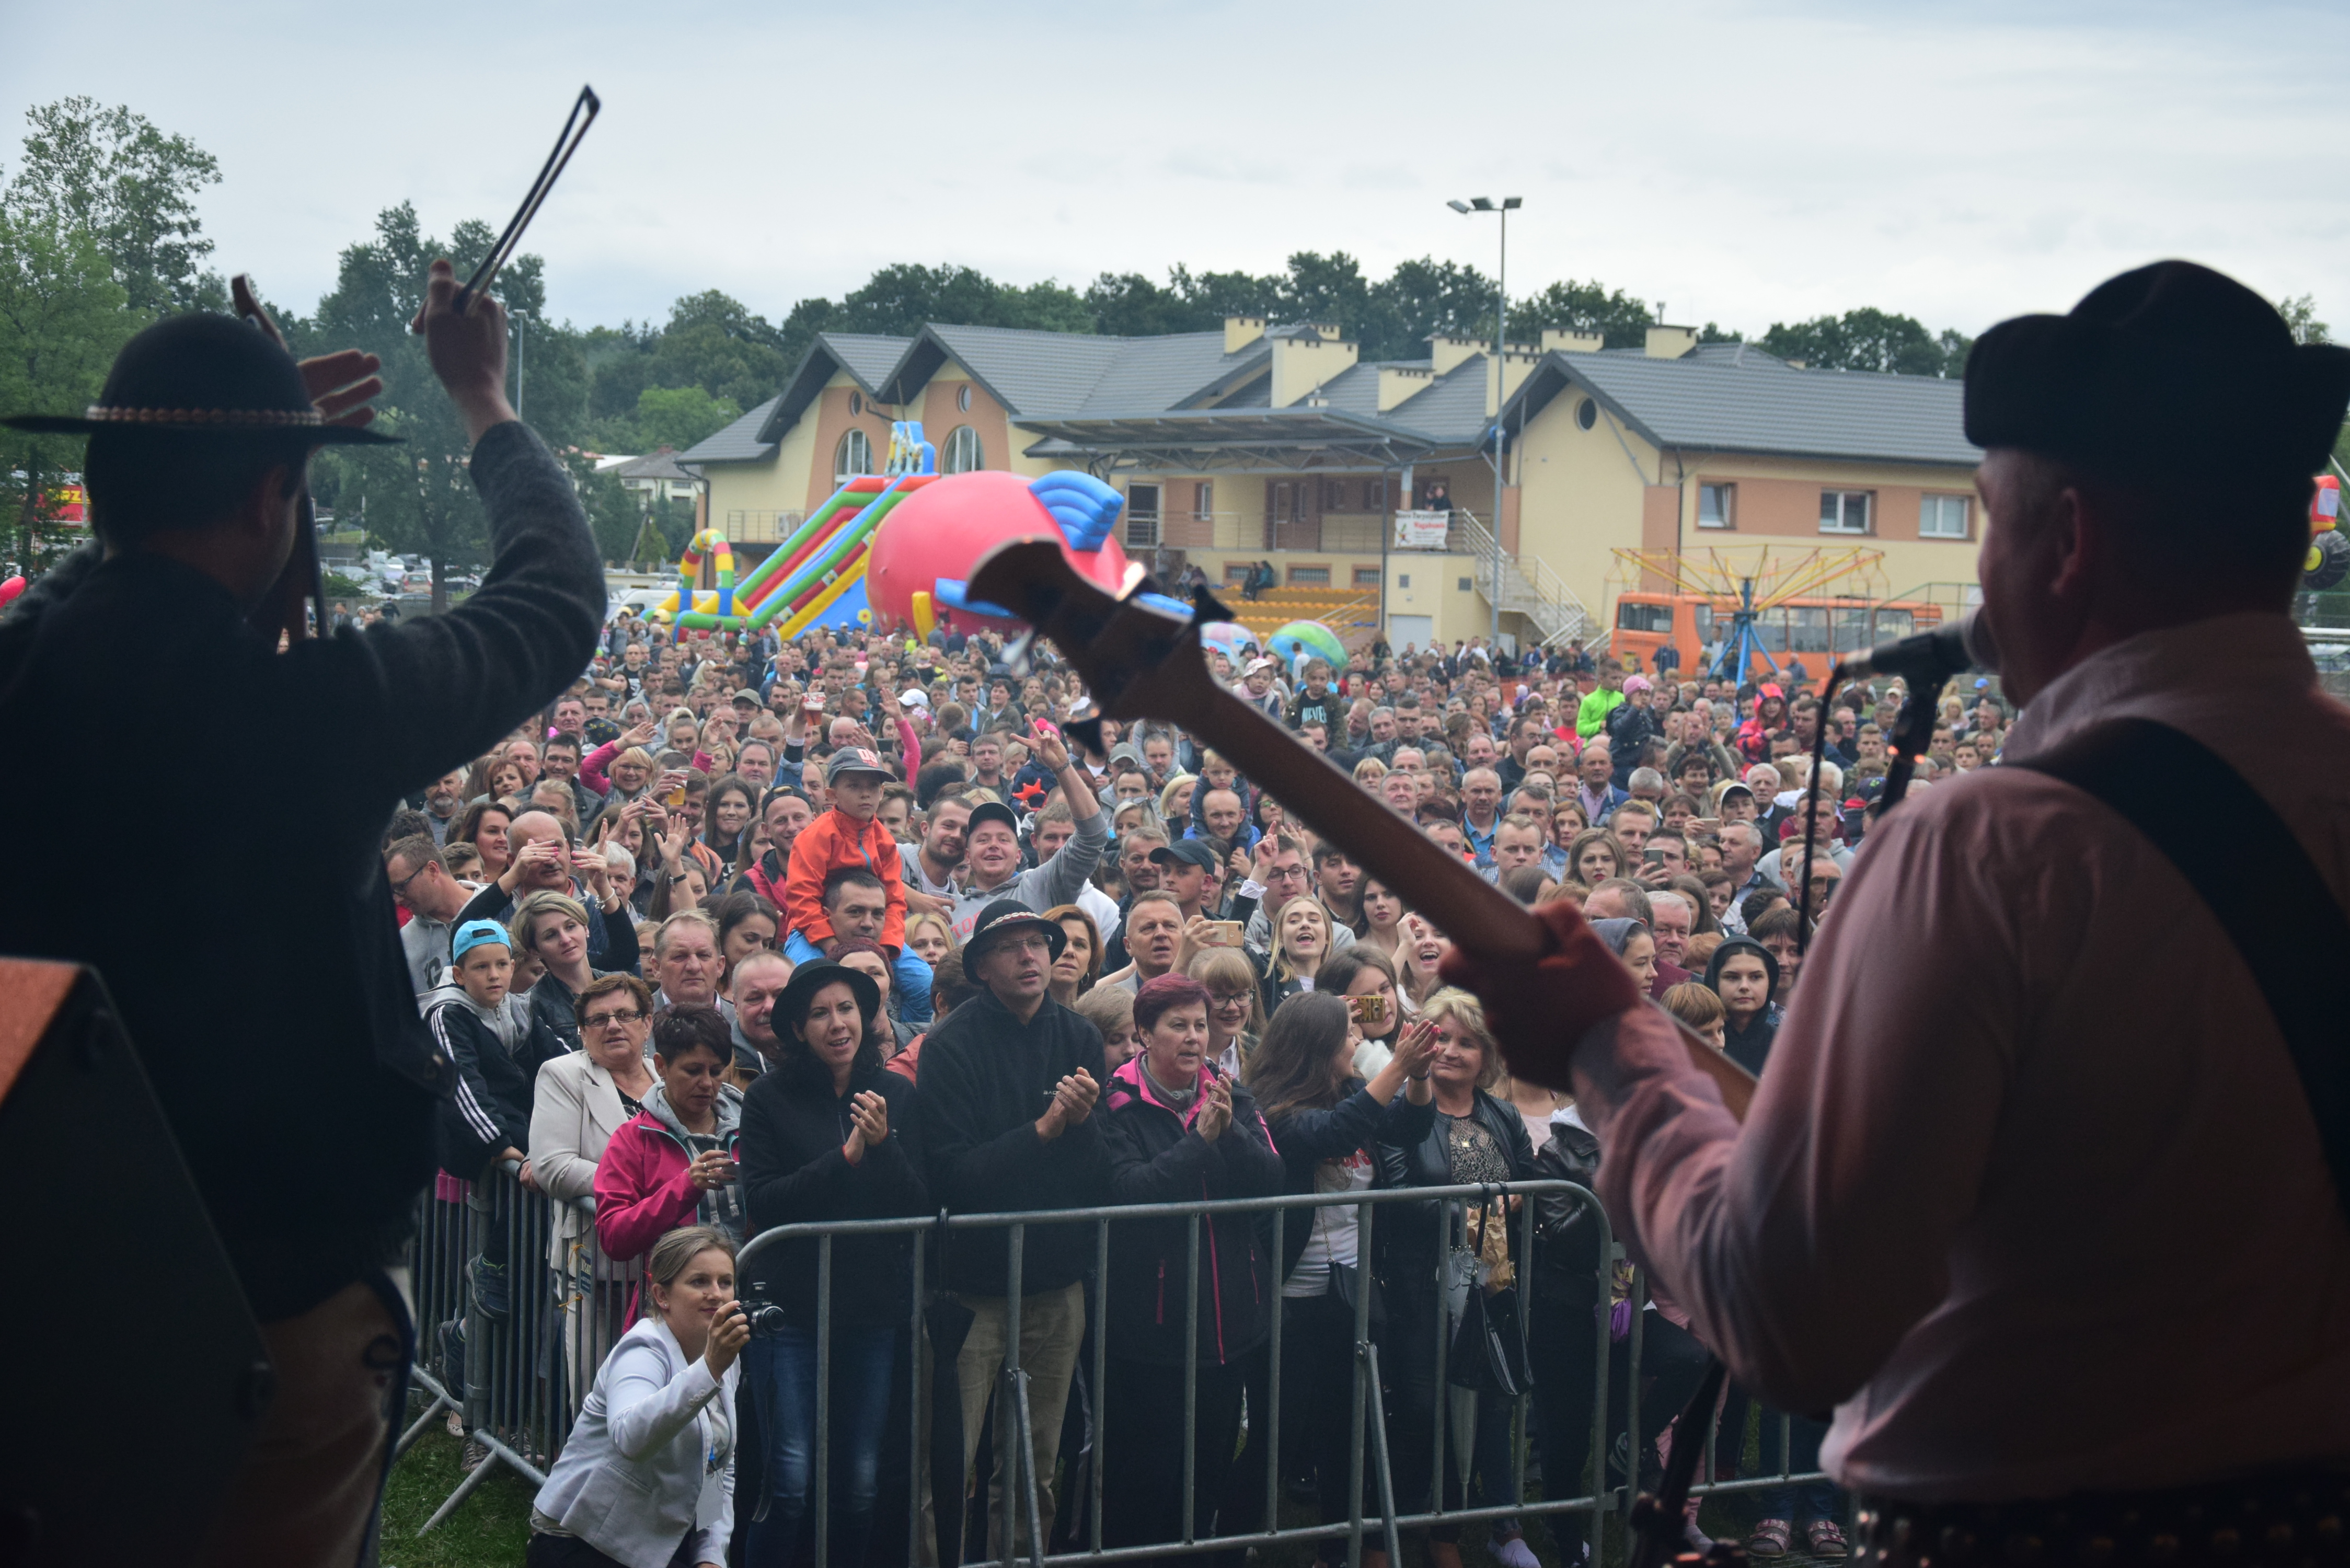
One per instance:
[(1422, 530)]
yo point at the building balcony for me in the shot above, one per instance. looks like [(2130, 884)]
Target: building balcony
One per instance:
[(1356, 533)]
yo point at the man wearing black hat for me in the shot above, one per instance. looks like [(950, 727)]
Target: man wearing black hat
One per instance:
[(1008, 1083), (195, 472), (2007, 1105)]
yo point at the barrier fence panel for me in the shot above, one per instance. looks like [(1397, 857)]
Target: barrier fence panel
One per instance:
[(516, 1309)]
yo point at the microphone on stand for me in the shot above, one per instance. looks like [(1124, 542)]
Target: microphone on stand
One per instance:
[(1929, 658)]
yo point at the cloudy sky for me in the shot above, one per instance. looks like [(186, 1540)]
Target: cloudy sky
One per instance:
[(1743, 162)]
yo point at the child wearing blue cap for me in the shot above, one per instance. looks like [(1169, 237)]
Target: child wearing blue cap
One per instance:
[(488, 1117)]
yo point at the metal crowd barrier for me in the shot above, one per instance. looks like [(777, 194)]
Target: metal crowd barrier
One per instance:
[(516, 1309)]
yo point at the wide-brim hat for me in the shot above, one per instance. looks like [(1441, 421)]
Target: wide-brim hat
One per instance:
[(1009, 916), (798, 994), (202, 374), (2171, 370)]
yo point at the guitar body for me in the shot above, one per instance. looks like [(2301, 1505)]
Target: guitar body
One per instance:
[(1143, 662)]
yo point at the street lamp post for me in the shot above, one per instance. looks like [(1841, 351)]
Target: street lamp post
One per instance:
[(1500, 380)]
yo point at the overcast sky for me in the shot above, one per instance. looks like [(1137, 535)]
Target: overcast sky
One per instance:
[(1743, 162)]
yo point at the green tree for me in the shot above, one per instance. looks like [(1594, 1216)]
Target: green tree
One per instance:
[(2300, 313), (114, 176), (63, 316), (1864, 339), (1572, 307), (414, 497), (614, 513), (678, 417), (1421, 299)]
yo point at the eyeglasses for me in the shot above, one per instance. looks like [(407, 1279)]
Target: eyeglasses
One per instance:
[(604, 1021), (399, 887), (1229, 998)]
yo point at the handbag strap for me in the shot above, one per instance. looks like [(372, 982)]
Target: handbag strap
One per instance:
[(2141, 769)]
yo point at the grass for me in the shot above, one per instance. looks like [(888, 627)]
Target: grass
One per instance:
[(491, 1528)]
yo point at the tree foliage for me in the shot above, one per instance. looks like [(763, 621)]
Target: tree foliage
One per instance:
[(1870, 339), (112, 176), (62, 318)]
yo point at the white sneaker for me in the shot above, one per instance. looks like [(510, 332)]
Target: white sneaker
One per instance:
[(1514, 1552)]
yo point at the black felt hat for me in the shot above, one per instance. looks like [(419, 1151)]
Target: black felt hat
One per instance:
[(791, 1003), (204, 373), (1007, 918), (2172, 371)]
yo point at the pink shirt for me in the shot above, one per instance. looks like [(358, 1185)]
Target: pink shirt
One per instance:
[(2030, 1192)]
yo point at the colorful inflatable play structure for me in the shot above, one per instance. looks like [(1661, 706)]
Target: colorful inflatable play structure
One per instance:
[(817, 575), (845, 568), (921, 561), (1302, 639)]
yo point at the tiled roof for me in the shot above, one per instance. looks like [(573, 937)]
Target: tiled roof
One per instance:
[(738, 442), (1718, 399)]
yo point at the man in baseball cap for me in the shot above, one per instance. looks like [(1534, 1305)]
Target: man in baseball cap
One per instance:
[(1184, 869)]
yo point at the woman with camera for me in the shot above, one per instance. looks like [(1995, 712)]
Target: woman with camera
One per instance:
[(646, 1478), (825, 1137), (1327, 1122)]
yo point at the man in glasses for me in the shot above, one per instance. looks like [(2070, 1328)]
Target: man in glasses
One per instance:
[(422, 885)]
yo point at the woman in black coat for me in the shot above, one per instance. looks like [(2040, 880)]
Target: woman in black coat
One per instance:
[(1327, 1122), (1476, 1138), (825, 1136), (1176, 1128)]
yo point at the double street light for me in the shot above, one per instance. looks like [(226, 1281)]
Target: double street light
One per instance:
[(1505, 206)]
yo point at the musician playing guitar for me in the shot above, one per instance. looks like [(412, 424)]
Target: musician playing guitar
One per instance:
[(2033, 1194), (2045, 1195)]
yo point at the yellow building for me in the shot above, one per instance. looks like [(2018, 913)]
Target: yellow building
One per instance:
[(1369, 486)]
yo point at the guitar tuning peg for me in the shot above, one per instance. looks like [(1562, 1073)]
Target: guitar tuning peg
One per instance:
[(1015, 654)]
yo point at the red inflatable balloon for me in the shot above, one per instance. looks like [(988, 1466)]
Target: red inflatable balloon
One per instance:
[(937, 535)]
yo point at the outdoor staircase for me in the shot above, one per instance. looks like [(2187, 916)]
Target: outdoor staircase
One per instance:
[(1528, 586)]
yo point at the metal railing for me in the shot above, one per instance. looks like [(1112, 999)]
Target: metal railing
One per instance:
[(513, 1347), (517, 1307), (753, 527), (1258, 533), (1523, 584)]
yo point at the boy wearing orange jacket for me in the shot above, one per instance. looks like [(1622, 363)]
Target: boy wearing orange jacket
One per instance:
[(848, 835)]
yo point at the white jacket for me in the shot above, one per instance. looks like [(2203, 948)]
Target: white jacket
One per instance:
[(651, 1456), (574, 1109)]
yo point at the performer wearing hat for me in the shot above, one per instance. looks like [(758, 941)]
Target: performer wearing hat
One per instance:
[(2035, 1191), (195, 473)]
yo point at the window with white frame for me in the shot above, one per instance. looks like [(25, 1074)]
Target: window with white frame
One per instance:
[(852, 457), (1943, 518), (963, 454), (1204, 500), (1716, 505), (1845, 511)]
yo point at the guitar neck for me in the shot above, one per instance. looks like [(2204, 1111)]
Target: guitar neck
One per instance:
[(1431, 879)]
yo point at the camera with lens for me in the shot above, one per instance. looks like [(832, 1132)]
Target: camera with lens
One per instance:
[(765, 1318)]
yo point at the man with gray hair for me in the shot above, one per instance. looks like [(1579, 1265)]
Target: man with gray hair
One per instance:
[(1645, 784), (1741, 858)]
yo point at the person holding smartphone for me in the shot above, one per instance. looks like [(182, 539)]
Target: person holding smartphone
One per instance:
[(647, 1477)]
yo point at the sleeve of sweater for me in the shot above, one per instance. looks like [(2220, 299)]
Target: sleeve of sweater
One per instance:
[(621, 950), (782, 1184), (804, 875), (404, 704), (1307, 1138), (22, 620), (634, 1207), (592, 767)]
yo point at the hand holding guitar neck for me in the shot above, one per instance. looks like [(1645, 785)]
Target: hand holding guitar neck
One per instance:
[(1143, 662)]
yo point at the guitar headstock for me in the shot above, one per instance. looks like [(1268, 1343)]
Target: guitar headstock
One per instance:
[(1140, 660)]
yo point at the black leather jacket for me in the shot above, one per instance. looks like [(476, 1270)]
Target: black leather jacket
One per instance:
[(1408, 1235), (1567, 1244)]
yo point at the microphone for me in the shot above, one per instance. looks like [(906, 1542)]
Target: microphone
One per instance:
[(1929, 658)]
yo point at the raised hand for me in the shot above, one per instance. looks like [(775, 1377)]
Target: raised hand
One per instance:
[(1048, 746), (1215, 1109), (1539, 1011), (468, 352)]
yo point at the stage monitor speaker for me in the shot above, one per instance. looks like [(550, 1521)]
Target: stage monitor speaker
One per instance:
[(137, 1377)]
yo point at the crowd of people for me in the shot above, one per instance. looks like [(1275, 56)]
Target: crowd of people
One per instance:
[(741, 934)]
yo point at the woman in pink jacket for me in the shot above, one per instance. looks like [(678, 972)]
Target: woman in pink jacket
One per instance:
[(673, 1163)]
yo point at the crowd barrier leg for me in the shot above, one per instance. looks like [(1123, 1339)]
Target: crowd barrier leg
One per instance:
[(1368, 1354)]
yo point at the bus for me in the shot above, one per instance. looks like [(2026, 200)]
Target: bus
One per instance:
[(1825, 627)]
